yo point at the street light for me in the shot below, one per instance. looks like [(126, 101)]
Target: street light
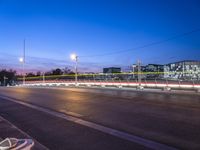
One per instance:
[(74, 57), (21, 60)]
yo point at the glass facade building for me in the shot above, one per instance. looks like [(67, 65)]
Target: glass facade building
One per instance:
[(186, 70)]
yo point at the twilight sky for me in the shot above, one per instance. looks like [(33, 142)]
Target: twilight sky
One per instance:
[(96, 30)]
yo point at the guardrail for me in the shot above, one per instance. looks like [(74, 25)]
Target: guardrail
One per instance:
[(165, 85)]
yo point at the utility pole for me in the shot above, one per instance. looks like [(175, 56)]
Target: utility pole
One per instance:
[(43, 77), (4, 80), (133, 70), (183, 70), (139, 72), (75, 58), (76, 69), (23, 63)]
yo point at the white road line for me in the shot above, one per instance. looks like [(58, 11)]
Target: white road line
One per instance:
[(24, 133), (126, 136), (70, 113)]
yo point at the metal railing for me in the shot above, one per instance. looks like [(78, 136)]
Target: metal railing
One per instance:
[(115, 80)]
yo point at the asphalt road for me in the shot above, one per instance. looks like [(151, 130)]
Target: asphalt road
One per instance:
[(171, 119)]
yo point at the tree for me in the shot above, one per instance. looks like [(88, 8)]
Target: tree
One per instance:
[(67, 71), (7, 77), (57, 71), (31, 74), (38, 73)]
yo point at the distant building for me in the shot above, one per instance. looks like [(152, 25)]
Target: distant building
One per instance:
[(154, 71), (148, 71), (135, 71), (112, 70), (187, 69), (126, 69), (184, 70), (155, 68)]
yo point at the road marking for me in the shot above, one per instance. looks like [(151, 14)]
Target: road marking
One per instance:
[(70, 113), (24, 133), (123, 135)]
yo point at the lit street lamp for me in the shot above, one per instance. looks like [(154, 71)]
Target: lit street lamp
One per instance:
[(75, 58), (21, 60)]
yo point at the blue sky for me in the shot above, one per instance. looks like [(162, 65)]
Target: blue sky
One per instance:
[(55, 28)]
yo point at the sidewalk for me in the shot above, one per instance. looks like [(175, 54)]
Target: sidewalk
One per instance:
[(9, 130)]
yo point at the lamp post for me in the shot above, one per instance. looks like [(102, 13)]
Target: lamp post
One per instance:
[(75, 58), (21, 60), (139, 73), (43, 77)]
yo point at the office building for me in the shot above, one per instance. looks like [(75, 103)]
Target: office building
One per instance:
[(112, 70), (187, 69)]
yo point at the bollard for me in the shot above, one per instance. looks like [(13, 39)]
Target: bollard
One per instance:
[(120, 86), (103, 86), (140, 88), (88, 85), (166, 88)]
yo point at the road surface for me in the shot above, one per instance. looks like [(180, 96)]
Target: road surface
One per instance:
[(169, 119)]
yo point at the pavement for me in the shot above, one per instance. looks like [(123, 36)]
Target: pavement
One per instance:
[(8, 130), (56, 133), (167, 118)]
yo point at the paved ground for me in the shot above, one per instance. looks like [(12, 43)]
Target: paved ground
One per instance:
[(171, 119), (9, 130), (59, 134)]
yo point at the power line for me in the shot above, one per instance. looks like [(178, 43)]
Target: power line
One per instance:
[(117, 52), (144, 46)]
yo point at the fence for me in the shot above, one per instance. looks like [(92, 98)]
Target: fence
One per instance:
[(119, 80)]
